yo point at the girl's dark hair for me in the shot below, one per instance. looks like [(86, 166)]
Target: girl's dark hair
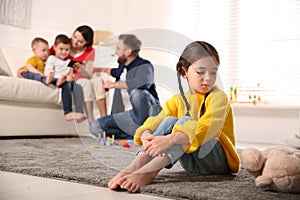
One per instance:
[(87, 33), (193, 52), (62, 39)]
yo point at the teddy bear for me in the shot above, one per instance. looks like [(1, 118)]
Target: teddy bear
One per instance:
[(276, 167)]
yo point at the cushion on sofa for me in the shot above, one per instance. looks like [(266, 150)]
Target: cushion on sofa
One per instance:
[(3, 72), (4, 67), (25, 90), (12, 59)]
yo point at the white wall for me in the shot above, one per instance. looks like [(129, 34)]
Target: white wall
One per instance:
[(266, 124), (51, 17)]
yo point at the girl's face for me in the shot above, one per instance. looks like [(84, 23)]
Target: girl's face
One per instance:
[(202, 75), (62, 50), (77, 40)]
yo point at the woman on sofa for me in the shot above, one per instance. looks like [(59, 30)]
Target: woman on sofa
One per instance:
[(83, 52)]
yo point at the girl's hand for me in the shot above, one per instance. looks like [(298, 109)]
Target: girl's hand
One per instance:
[(158, 145)]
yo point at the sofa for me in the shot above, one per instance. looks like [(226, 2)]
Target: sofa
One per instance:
[(30, 108)]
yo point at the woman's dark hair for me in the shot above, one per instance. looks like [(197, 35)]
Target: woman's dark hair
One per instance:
[(193, 52), (87, 33)]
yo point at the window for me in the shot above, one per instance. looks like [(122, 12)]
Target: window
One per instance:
[(258, 42)]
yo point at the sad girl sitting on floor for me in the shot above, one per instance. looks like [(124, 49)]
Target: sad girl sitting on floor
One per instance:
[(194, 128)]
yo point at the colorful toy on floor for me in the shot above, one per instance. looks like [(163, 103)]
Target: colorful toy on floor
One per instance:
[(277, 168), (106, 141), (111, 141), (126, 143), (94, 146)]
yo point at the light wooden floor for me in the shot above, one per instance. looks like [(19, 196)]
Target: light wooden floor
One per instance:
[(15, 186)]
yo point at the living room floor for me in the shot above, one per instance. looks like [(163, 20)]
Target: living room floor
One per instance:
[(25, 187)]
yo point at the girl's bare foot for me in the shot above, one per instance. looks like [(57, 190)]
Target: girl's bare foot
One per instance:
[(140, 160), (133, 182), (114, 182), (145, 175), (60, 81), (49, 78)]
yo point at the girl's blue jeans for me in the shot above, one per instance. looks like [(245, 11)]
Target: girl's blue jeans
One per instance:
[(208, 159)]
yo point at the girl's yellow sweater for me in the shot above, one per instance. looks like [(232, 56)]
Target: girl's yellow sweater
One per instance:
[(216, 122)]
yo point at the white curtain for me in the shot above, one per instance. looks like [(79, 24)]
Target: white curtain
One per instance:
[(16, 13), (258, 42)]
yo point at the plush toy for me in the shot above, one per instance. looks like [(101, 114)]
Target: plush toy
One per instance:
[(277, 168)]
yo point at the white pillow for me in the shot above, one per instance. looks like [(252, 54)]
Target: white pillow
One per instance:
[(4, 67), (15, 59)]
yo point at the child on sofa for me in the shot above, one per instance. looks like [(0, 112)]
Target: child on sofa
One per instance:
[(59, 67), (35, 65)]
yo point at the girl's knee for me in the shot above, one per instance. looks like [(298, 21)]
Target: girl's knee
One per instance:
[(184, 119), (166, 126), (169, 119)]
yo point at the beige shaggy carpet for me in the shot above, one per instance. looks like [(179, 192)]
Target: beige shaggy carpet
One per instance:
[(78, 160)]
